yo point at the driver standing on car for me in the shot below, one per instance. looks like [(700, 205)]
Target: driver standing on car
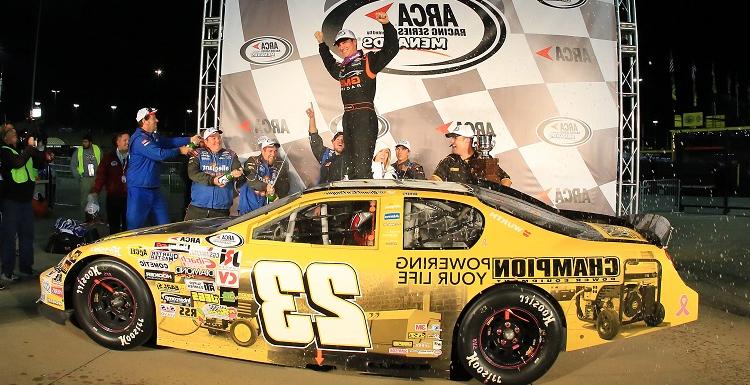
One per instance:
[(456, 167)]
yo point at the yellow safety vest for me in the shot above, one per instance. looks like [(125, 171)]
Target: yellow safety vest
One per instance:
[(97, 155), (22, 174)]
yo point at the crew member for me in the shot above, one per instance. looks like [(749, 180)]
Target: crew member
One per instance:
[(356, 75), (331, 159), (83, 166), (266, 177), (111, 175), (457, 167), (147, 151), (213, 170), (19, 178), (404, 167)]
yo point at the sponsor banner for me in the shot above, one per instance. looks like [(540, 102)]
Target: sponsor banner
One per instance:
[(197, 262), (165, 256), (205, 297), (211, 310), (194, 272), (227, 278), (153, 265), (561, 269), (541, 76), (176, 299), (153, 275), (200, 286), (228, 296)]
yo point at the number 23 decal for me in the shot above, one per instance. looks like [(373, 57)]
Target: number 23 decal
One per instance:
[(330, 289)]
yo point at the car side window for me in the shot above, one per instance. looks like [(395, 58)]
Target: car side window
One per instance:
[(325, 223), (440, 224)]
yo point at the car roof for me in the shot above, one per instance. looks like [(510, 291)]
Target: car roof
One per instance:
[(408, 184)]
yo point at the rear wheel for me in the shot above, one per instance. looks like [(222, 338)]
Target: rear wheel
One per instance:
[(243, 332), (657, 318), (112, 305), (511, 335)]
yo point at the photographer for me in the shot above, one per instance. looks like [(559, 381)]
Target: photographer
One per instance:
[(19, 175)]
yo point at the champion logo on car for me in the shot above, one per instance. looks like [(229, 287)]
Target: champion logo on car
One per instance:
[(226, 240), (125, 340), (92, 272), (473, 362), (557, 269)]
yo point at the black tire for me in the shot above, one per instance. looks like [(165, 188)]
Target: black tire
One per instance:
[(512, 334), (246, 327), (657, 318), (607, 324), (112, 305)]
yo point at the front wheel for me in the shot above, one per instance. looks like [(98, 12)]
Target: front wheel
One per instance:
[(657, 317), (511, 335), (112, 305), (607, 324)]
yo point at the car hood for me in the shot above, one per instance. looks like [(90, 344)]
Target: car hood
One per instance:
[(198, 226)]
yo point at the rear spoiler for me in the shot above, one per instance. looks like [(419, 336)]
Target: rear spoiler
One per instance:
[(655, 228)]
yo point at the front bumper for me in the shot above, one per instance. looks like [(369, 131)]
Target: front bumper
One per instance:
[(53, 314)]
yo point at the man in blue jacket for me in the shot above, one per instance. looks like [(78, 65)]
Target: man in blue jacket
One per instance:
[(266, 177), (147, 152), (213, 171)]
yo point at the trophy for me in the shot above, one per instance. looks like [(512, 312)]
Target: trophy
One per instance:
[(484, 167)]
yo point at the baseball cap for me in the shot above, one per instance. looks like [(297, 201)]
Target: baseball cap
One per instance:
[(460, 130), (344, 34), (265, 141), (404, 143), (210, 131), (339, 131), (143, 112)]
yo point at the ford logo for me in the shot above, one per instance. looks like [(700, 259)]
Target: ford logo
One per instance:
[(564, 132), (563, 4), (266, 50)]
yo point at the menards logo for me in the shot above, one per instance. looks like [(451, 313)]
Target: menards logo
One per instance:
[(557, 269)]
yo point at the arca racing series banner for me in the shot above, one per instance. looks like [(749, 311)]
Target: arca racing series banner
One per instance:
[(541, 75)]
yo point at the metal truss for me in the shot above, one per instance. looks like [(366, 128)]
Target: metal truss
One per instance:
[(628, 147), (209, 90)]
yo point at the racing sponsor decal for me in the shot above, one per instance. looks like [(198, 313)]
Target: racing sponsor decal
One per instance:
[(564, 132), (167, 310), (355, 192), (184, 239), (391, 216), (113, 251), (547, 316), (153, 275), (164, 256), (473, 362), (153, 265), (420, 327), (435, 37), (557, 269), (125, 339), (402, 344), (229, 260), (266, 50), (176, 299), (415, 335), (266, 125), (226, 240), (192, 272), (200, 286), (206, 251), (398, 351), (56, 290), (197, 262), (138, 251), (205, 297), (188, 312), (93, 271), (563, 4), (228, 296), (441, 270), (566, 54), (226, 278), (167, 287), (180, 248), (212, 310), (509, 224)]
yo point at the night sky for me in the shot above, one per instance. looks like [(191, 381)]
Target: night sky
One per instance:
[(103, 53)]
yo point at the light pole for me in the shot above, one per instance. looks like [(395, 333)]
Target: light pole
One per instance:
[(114, 109), (188, 113), (54, 106), (158, 72), (75, 113)]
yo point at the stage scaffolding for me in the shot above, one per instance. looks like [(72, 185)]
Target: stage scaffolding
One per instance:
[(629, 92)]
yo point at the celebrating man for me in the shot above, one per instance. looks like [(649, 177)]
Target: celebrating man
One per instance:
[(266, 178), (356, 75), (457, 167)]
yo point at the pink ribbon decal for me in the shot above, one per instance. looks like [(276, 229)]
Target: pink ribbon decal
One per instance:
[(683, 306)]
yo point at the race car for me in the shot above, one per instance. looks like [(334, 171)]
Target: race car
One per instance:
[(406, 278)]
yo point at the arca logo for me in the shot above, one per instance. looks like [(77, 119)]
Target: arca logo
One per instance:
[(566, 54), (266, 50)]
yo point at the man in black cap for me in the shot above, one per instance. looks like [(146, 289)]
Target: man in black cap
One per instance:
[(356, 75), (331, 159)]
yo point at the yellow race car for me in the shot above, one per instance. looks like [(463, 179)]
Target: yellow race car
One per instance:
[(409, 278)]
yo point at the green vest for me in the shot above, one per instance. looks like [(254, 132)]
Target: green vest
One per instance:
[(23, 174), (97, 155)]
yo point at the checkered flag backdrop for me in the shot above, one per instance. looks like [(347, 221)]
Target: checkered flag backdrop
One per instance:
[(542, 75)]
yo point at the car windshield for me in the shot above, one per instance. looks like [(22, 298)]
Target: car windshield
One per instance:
[(263, 210), (536, 212)]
